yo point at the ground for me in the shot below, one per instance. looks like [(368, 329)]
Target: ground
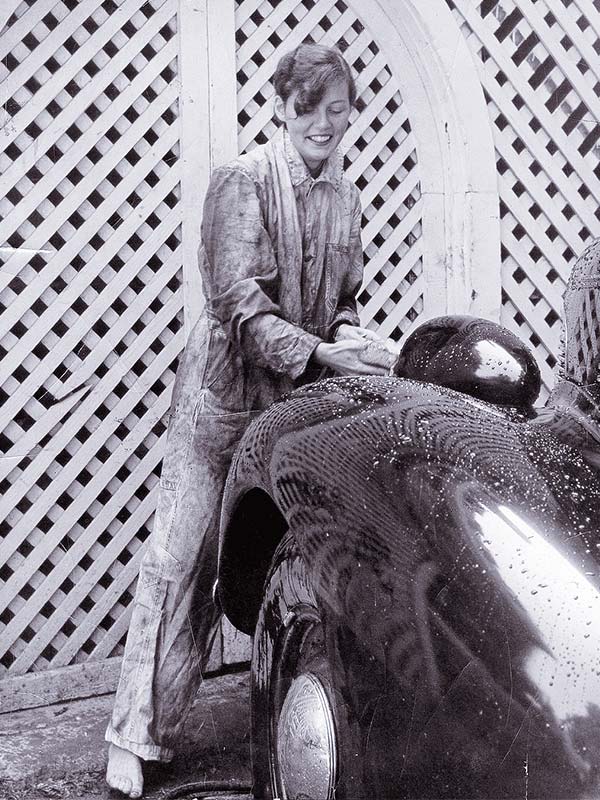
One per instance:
[(58, 752)]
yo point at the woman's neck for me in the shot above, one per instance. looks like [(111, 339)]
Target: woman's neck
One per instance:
[(314, 171)]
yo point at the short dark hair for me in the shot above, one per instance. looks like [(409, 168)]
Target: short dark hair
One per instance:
[(308, 70)]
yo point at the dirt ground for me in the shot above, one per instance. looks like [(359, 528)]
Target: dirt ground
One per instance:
[(59, 751)]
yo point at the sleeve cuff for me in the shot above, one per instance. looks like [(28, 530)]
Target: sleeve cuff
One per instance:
[(296, 359)]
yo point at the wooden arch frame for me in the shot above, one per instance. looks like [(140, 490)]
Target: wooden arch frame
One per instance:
[(438, 80)]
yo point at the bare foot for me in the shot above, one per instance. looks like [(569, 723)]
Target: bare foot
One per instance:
[(124, 771)]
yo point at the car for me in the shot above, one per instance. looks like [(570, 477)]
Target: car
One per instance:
[(418, 560)]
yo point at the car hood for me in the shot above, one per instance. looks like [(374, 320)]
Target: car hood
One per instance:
[(392, 487)]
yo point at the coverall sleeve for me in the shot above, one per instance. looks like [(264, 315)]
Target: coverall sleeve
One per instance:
[(346, 311), (241, 277)]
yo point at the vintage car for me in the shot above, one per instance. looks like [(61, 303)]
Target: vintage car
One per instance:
[(419, 564)]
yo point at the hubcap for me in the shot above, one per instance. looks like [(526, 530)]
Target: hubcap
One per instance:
[(306, 749)]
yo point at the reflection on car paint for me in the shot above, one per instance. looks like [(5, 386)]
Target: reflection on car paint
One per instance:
[(450, 532)]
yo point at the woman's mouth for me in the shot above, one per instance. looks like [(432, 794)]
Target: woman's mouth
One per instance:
[(320, 139)]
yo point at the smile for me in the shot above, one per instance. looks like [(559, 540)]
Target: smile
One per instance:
[(320, 139)]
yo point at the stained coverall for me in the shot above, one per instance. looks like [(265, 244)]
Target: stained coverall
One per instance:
[(281, 263)]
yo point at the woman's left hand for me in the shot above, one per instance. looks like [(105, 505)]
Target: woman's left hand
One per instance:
[(378, 351), (346, 331)]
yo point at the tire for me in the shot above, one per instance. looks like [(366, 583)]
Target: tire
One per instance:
[(302, 745)]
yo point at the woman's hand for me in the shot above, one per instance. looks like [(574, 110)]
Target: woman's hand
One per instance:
[(378, 352), (346, 331), (343, 356)]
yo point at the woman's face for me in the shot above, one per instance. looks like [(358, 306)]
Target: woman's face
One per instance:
[(316, 135)]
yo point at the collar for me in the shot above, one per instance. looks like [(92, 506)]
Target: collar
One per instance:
[(332, 171)]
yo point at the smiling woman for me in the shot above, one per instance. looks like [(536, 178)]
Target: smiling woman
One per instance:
[(314, 97), (316, 133), (281, 263)]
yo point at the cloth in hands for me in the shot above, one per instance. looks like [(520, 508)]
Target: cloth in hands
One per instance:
[(377, 352), (382, 353)]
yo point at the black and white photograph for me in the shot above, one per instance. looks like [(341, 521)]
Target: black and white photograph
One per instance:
[(300, 399)]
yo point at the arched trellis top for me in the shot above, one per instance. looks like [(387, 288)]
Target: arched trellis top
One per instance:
[(434, 69), (438, 80)]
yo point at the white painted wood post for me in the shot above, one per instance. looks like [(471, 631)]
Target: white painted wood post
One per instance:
[(208, 110), (222, 82), (208, 113), (195, 145)]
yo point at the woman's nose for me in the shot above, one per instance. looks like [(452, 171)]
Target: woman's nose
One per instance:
[(322, 118)]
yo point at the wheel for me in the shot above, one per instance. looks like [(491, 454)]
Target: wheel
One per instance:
[(300, 732)]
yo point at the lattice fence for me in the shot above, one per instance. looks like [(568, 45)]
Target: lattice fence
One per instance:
[(379, 146), (90, 238), (540, 68), (90, 284), (91, 315)]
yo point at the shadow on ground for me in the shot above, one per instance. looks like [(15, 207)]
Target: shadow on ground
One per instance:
[(58, 752)]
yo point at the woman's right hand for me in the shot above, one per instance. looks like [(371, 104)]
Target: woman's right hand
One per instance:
[(344, 358)]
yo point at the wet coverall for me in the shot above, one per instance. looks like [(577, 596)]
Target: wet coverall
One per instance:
[(281, 263)]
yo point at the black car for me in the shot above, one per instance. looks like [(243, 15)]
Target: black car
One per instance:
[(419, 564)]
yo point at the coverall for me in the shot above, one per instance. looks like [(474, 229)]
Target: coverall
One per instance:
[(281, 263)]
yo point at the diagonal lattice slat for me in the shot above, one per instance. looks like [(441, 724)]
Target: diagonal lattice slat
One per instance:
[(380, 150), (538, 63), (91, 315)]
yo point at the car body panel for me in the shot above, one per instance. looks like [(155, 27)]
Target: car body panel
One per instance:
[(454, 547)]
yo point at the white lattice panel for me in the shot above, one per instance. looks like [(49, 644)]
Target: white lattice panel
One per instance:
[(91, 314), (379, 146), (540, 68)]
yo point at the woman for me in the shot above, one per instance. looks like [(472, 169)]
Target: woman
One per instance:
[(281, 263)]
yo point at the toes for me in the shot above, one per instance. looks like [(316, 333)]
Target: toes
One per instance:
[(124, 772), (121, 784)]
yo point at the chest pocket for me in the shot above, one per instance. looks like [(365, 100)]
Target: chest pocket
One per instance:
[(336, 267)]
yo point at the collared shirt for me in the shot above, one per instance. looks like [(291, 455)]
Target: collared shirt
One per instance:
[(310, 212), (281, 263)]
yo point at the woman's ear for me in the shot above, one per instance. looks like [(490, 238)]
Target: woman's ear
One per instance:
[(279, 108)]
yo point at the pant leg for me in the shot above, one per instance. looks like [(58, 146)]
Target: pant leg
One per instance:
[(173, 614)]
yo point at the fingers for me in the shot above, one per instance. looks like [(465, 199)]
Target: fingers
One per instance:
[(350, 357), (362, 370), (376, 354), (361, 334), (391, 345), (371, 335), (375, 369), (346, 331), (351, 345)]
